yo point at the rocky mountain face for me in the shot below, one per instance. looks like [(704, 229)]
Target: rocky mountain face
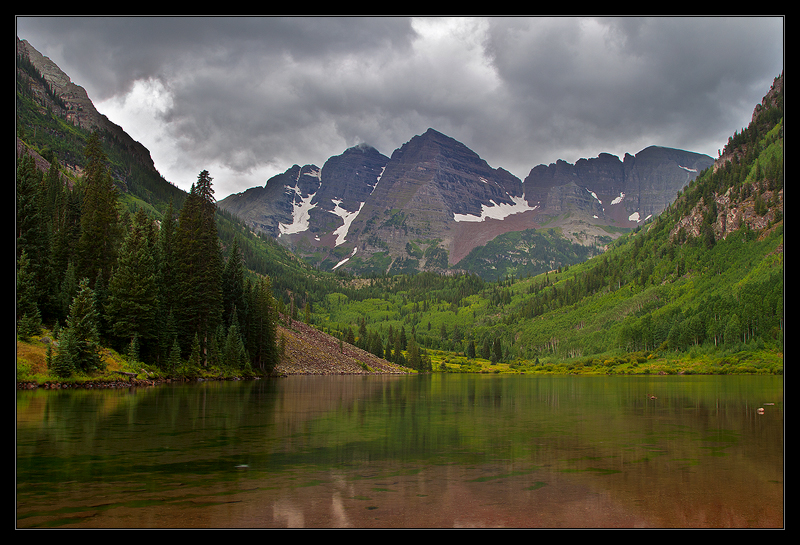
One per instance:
[(308, 206), (623, 193), (434, 201), (74, 104)]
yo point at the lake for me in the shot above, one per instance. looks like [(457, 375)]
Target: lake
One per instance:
[(427, 451)]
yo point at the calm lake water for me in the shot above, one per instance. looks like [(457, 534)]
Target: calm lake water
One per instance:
[(441, 450)]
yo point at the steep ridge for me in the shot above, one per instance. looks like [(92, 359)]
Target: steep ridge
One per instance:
[(75, 106)]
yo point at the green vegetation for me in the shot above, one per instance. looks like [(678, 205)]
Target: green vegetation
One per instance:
[(525, 253)]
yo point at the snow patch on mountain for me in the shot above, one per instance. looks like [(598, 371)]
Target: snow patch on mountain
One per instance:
[(345, 260), (347, 218), (300, 215), (497, 211)]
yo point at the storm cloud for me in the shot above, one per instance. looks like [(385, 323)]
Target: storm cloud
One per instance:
[(246, 98)]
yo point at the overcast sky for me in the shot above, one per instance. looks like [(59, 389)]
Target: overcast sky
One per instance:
[(247, 98)]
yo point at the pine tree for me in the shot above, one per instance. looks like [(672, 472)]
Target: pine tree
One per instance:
[(66, 234), (486, 351), (199, 266), (67, 290), (414, 360), (263, 327), (234, 353), (471, 349), (84, 346), (51, 198), (497, 351), (376, 345), (29, 219), (132, 353), (29, 320), (32, 229), (100, 223), (399, 359), (133, 292), (174, 360), (63, 362), (194, 353), (233, 287), (166, 270)]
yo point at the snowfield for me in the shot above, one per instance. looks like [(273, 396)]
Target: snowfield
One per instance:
[(498, 211)]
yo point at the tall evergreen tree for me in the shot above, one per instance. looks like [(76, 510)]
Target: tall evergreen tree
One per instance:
[(66, 234), (67, 290), (28, 317), (100, 222), (414, 359), (471, 349), (51, 197), (84, 345), (262, 332), (233, 287), (166, 269), (199, 266), (32, 229), (29, 218), (234, 353), (132, 292)]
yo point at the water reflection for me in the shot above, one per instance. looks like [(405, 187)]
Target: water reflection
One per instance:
[(406, 451)]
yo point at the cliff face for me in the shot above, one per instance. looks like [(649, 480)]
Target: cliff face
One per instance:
[(271, 209), (310, 207), (622, 192), (77, 107)]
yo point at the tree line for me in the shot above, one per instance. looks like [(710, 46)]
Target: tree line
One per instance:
[(159, 290)]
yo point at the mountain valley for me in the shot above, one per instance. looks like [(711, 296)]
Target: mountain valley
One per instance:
[(663, 261)]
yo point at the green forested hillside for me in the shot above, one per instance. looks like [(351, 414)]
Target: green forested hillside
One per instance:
[(525, 253)]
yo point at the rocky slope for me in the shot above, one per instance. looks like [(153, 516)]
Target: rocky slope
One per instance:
[(308, 351), (430, 185)]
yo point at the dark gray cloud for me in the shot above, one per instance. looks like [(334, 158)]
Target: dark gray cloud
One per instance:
[(246, 98)]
